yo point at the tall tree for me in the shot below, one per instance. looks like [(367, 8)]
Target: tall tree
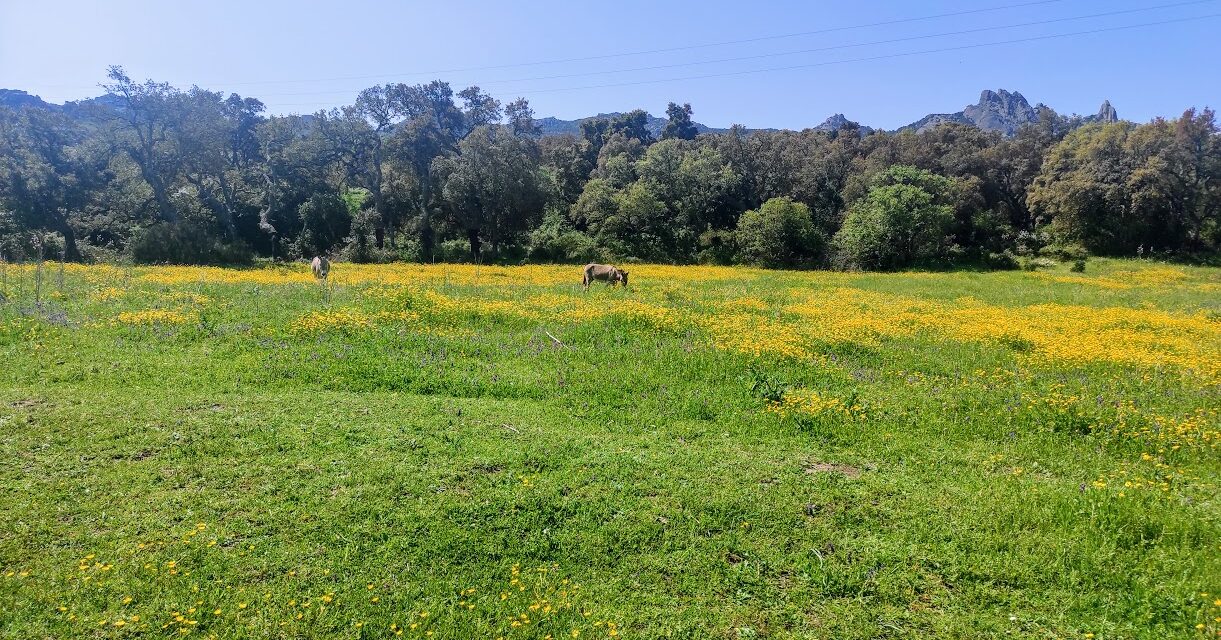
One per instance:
[(521, 118), (493, 187), (47, 172), (433, 128), (679, 124), (216, 144), (148, 113), (382, 107)]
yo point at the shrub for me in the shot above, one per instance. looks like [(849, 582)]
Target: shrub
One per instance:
[(1078, 266), (717, 247), (901, 222), (1034, 264), (555, 240), (360, 244), (1001, 260), (1061, 251), (453, 250), (326, 220), (186, 243), (568, 246), (779, 234)]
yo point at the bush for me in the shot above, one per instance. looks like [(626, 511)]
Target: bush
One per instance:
[(779, 234), (1071, 251), (326, 220), (903, 221), (1034, 264), (186, 243), (717, 247), (1001, 260), (1078, 266), (360, 244), (568, 246), (555, 240), (453, 250)]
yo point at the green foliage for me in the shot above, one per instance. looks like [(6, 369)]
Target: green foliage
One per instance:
[(779, 234), (360, 244), (679, 124), (1120, 187), (903, 221), (186, 243), (555, 240), (326, 219), (438, 165), (718, 247), (639, 227)]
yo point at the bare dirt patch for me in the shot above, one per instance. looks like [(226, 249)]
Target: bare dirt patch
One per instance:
[(846, 470)]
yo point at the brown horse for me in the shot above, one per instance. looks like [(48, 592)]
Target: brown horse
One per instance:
[(611, 274)]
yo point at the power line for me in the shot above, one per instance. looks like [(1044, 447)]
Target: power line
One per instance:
[(869, 59), (798, 51), (625, 54), (879, 57)]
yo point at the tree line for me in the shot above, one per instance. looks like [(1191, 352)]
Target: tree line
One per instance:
[(154, 173)]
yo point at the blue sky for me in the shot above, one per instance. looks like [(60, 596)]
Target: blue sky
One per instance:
[(299, 57)]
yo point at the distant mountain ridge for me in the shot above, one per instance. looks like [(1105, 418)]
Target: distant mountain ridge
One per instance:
[(1002, 111), (16, 99), (999, 110), (552, 126)]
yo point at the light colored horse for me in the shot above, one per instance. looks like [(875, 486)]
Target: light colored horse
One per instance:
[(321, 267), (610, 273)]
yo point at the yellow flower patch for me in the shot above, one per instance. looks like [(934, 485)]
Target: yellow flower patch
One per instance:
[(811, 404), (150, 317), (348, 320)]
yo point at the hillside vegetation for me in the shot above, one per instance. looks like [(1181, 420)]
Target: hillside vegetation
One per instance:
[(423, 173)]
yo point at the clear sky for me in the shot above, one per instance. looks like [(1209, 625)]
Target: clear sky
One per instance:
[(302, 56)]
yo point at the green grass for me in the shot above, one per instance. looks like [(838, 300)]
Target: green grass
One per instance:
[(636, 463)]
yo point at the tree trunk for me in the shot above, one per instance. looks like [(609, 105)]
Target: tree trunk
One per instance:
[(378, 200), (166, 210), (494, 238), (145, 158), (265, 215), (219, 208), (473, 236), (71, 251), (426, 234)]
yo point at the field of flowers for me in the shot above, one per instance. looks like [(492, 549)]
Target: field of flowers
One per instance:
[(458, 451)]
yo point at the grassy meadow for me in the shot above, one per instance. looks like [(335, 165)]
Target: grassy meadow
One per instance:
[(452, 451)]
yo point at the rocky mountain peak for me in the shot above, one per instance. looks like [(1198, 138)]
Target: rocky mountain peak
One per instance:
[(1107, 113), (1001, 111)]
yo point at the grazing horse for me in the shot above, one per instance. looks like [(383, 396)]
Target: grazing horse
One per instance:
[(611, 274), (321, 267)]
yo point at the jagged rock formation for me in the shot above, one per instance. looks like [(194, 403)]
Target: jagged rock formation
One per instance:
[(1107, 114), (15, 99), (1001, 111), (839, 121)]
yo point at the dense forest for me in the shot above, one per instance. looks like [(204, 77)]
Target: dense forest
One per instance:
[(153, 173)]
